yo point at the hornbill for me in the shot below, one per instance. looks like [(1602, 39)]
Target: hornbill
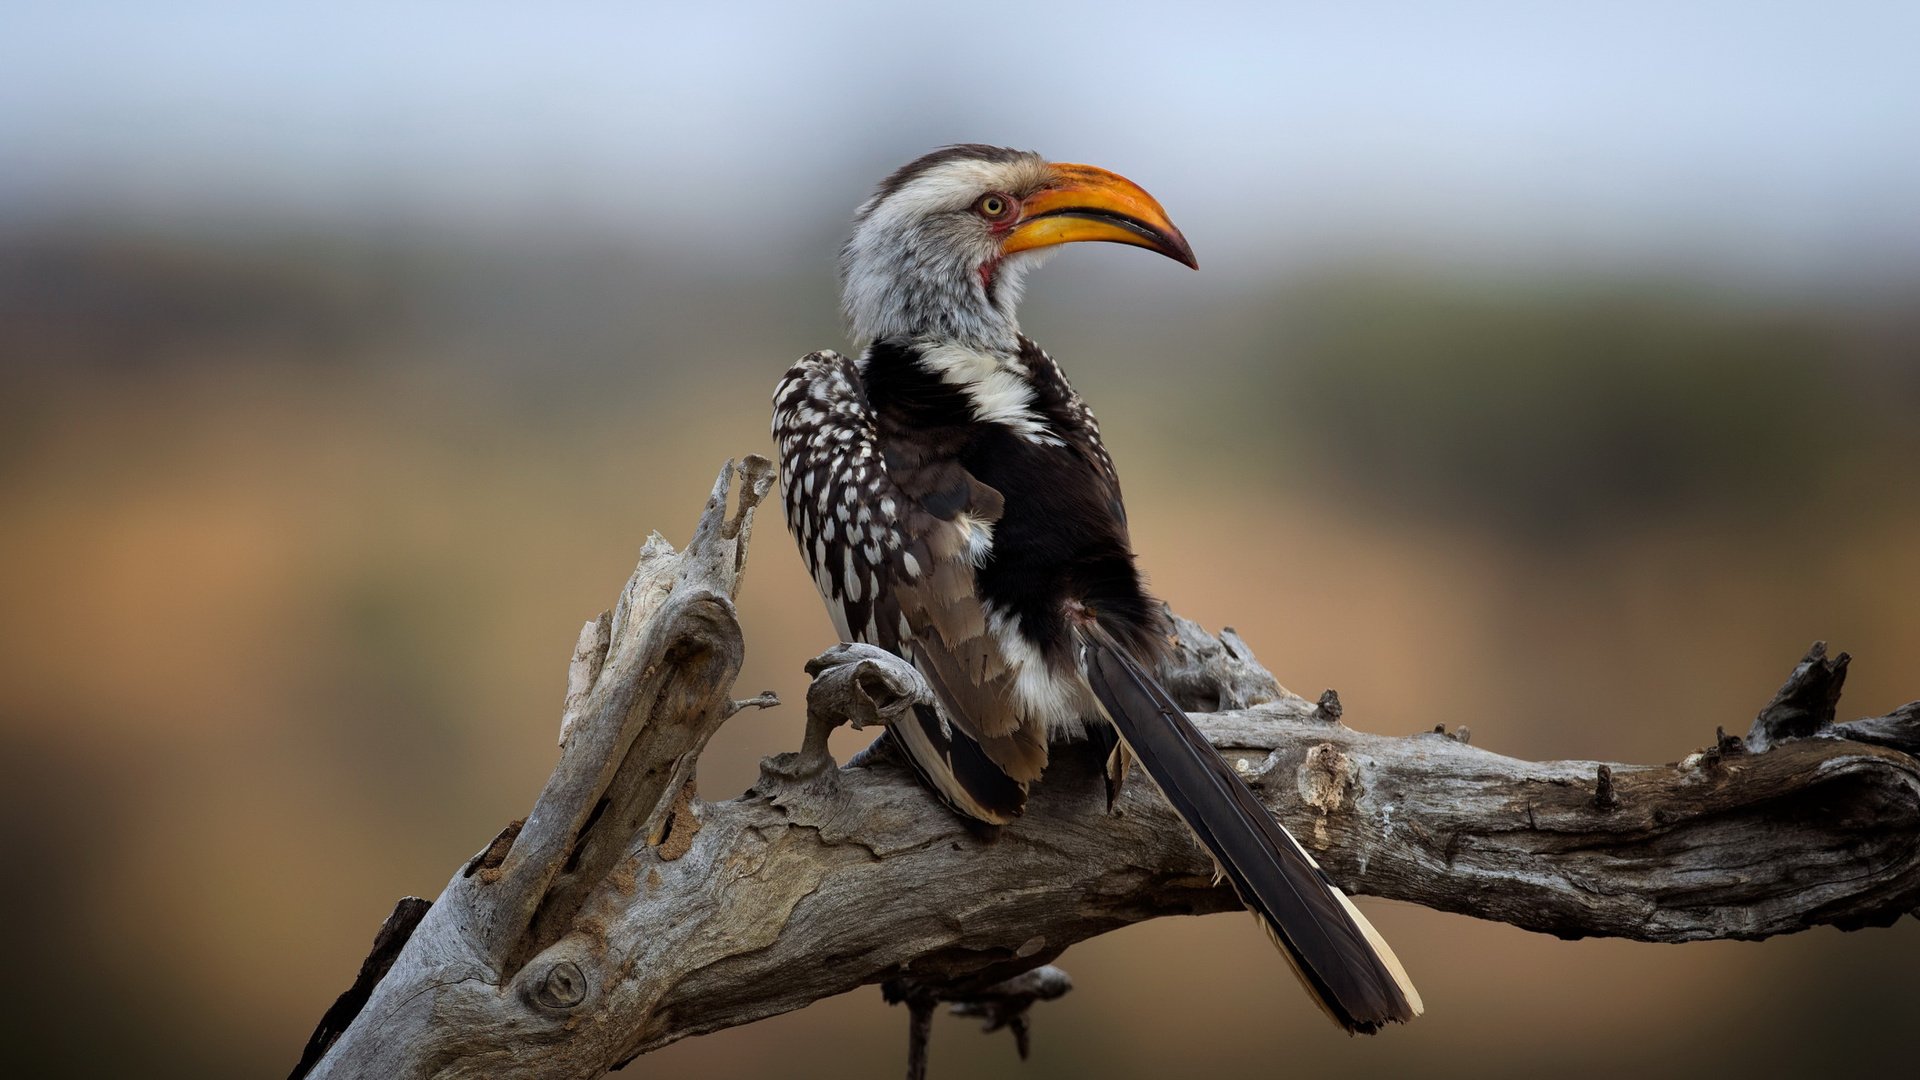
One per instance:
[(951, 495)]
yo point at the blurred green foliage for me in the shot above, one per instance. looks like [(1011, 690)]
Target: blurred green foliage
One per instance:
[(1551, 409)]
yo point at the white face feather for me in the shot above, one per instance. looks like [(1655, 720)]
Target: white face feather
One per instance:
[(912, 268)]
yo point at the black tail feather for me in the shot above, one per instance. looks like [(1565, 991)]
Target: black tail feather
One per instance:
[(1339, 957)]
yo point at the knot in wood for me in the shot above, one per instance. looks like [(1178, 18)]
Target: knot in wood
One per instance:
[(1325, 777), (1604, 797), (562, 987), (1329, 707)]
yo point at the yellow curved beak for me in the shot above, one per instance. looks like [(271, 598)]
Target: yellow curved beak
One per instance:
[(1086, 203)]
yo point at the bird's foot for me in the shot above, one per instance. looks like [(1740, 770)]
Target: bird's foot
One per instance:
[(854, 684), (1119, 763)]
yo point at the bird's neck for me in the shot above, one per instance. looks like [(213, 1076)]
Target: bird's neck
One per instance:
[(947, 304), (978, 326)]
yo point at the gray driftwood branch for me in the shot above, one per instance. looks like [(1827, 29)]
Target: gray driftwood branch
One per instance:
[(625, 913)]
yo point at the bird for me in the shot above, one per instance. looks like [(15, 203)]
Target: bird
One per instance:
[(951, 495)]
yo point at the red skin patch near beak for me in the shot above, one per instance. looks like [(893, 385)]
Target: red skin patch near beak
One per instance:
[(992, 266)]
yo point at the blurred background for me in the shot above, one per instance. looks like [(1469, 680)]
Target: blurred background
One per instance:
[(1553, 369)]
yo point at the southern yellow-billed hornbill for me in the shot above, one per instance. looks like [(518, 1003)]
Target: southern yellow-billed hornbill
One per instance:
[(951, 494)]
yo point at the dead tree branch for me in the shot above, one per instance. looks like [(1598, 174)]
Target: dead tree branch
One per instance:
[(625, 913)]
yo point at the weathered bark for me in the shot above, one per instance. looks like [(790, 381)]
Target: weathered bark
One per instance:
[(626, 913)]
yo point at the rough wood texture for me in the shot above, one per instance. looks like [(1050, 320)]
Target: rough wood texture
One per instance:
[(625, 913)]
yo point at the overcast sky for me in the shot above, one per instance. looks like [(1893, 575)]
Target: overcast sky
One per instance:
[(1744, 138)]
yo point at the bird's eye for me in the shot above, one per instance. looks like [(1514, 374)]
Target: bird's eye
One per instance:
[(994, 206)]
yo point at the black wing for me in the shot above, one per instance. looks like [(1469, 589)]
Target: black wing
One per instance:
[(896, 570)]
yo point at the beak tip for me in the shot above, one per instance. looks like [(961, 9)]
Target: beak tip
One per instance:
[(1173, 244)]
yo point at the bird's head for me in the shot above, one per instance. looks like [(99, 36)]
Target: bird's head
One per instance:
[(943, 247)]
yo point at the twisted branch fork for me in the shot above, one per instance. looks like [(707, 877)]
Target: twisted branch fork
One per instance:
[(625, 913)]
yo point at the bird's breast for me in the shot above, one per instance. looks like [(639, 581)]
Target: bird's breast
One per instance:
[(1058, 536)]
